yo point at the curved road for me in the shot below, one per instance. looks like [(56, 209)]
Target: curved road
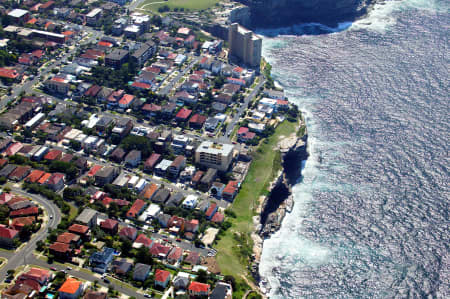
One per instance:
[(19, 257)]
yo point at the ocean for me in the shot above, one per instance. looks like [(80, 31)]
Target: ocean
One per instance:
[(371, 213)]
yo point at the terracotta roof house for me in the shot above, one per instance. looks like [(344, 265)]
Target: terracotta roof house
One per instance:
[(152, 161), (7, 236), (183, 114), (43, 179), (13, 149), (42, 276), (143, 240), (30, 211), (93, 91), (141, 272), (110, 226), (211, 211), (218, 218), (79, 229), (70, 289), (160, 251), (68, 238), (53, 154), (137, 207), (19, 173), (151, 109), (129, 233), (162, 278), (34, 176), (192, 258), (197, 121), (198, 289), (56, 181), (20, 222), (60, 250), (175, 255), (191, 225), (230, 191)]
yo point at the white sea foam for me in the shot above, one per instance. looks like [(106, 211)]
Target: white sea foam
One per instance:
[(381, 17)]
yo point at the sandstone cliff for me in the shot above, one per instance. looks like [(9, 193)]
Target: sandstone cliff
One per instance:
[(275, 13)]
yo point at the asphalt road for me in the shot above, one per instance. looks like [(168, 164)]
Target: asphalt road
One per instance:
[(241, 110), (24, 254)]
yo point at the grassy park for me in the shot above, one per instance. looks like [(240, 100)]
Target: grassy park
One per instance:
[(235, 246), (157, 5)]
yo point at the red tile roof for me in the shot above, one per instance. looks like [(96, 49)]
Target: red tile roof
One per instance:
[(126, 99), (109, 224), (55, 178), (152, 160), (141, 85), (136, 208), (198, 287), (94, 170), (151, 108), (105, 44), (218, 217), (44, 178), (78, 229), (161, 275), (183, 113), (212, 208), (70, 286), (67, 238), (128, 232), (60, 247), (197, 119), (53, 155), (8, 73), (93, 91), (242, 130), (7, 233), (144, 240), (25, 212)]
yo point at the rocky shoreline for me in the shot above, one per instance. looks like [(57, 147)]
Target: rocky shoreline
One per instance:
[(273, 208)]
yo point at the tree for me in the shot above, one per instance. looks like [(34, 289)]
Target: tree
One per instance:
[(126, 247)]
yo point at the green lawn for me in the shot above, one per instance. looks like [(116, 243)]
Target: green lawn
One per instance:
[(266, 163), (154, 5)]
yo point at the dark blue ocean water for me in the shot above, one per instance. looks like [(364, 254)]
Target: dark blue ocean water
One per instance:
[(371, 214)]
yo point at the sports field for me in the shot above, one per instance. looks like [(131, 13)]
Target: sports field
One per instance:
[(154, 5)]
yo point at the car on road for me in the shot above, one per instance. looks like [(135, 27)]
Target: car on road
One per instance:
[(106, 280), (69, 268), (51, 216), (53, 268), (147, 296), (178, 240)]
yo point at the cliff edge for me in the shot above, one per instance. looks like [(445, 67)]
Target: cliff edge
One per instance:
[(276, 13)]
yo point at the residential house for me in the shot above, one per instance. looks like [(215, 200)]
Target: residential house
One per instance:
[(162, 278), (82, 230), (161, 196), (8, 236), (141, 272), (183, 115), (177, 165), (133, 158), (121, 267), (70, 289), (87, 217), (110, 226), (197, 121), (181, 281), (99, 261), (61, 251), (118, 154), (198, 289), (129, 233), (175, 255), (222, 290), (123, 127), (192, 258), (151, 162), (137, 207), (56, 181), (69, 238)]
